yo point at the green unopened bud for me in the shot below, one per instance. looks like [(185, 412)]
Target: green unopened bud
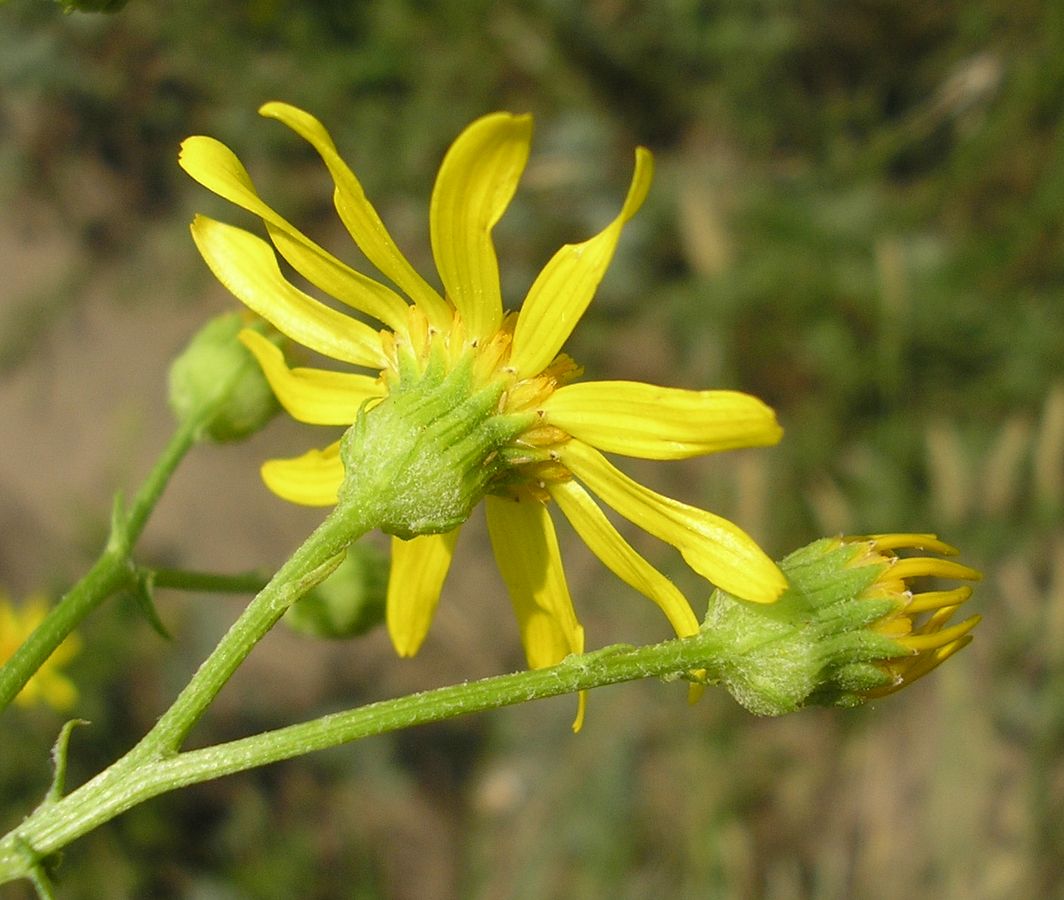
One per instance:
[(350, 602), (849, 627), (216, 376), (426, 454)]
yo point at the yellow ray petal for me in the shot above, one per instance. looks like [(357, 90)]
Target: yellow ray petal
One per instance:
[(314, 396), (896, 541), (936, 639), (660, 423), (917, 566), (526, 549), (714, 547), (246, 265), (366, 228), (562, 291), (475, 184), (312, 479), (617, 554), (218, 169), (419, 567)]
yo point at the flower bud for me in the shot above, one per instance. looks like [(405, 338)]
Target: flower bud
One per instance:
[(216, 371), (849, 628), (350, 602)]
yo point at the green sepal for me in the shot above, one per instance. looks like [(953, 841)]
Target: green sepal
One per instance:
[(34, 864), (60, 751), (143, 593)]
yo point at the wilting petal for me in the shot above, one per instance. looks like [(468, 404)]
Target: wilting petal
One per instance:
[(607, 544), (314, 396), (419, 567), (562, 291), (526, 549), (246, 265), (312, 479), (366, 228), (476, 182), (218, 169), (660, 423), (715, 548)]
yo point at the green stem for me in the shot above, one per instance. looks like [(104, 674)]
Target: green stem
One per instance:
[(311, 563), (58, 821), (111, 572), (130, 782), (210, 582)]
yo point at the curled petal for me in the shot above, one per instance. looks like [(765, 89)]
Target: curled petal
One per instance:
[(714, 547), (916, 566), (218, 169), (419, 567), (365, 226), (314, 396), (476, 182), (562, 291), (895, 541), (312, 479), (660, 423), (246, 265), (617, 554), (934, 640)]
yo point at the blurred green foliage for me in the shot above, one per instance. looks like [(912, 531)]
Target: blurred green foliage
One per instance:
[(858, 215)]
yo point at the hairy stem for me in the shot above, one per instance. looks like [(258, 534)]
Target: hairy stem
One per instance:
[(139, 777)]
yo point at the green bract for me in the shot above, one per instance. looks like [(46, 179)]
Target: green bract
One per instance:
[(431, 448)]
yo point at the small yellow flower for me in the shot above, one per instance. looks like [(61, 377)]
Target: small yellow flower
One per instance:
[(556, 455), (48, 684)]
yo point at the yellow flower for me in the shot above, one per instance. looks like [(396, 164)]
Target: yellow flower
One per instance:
[(562, 426), (17, 623)]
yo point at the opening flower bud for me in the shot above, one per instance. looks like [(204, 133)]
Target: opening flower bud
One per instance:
[(850, 627)]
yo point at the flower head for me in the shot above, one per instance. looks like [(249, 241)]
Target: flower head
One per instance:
[(540, 431), (852, 625), (48, 683)]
